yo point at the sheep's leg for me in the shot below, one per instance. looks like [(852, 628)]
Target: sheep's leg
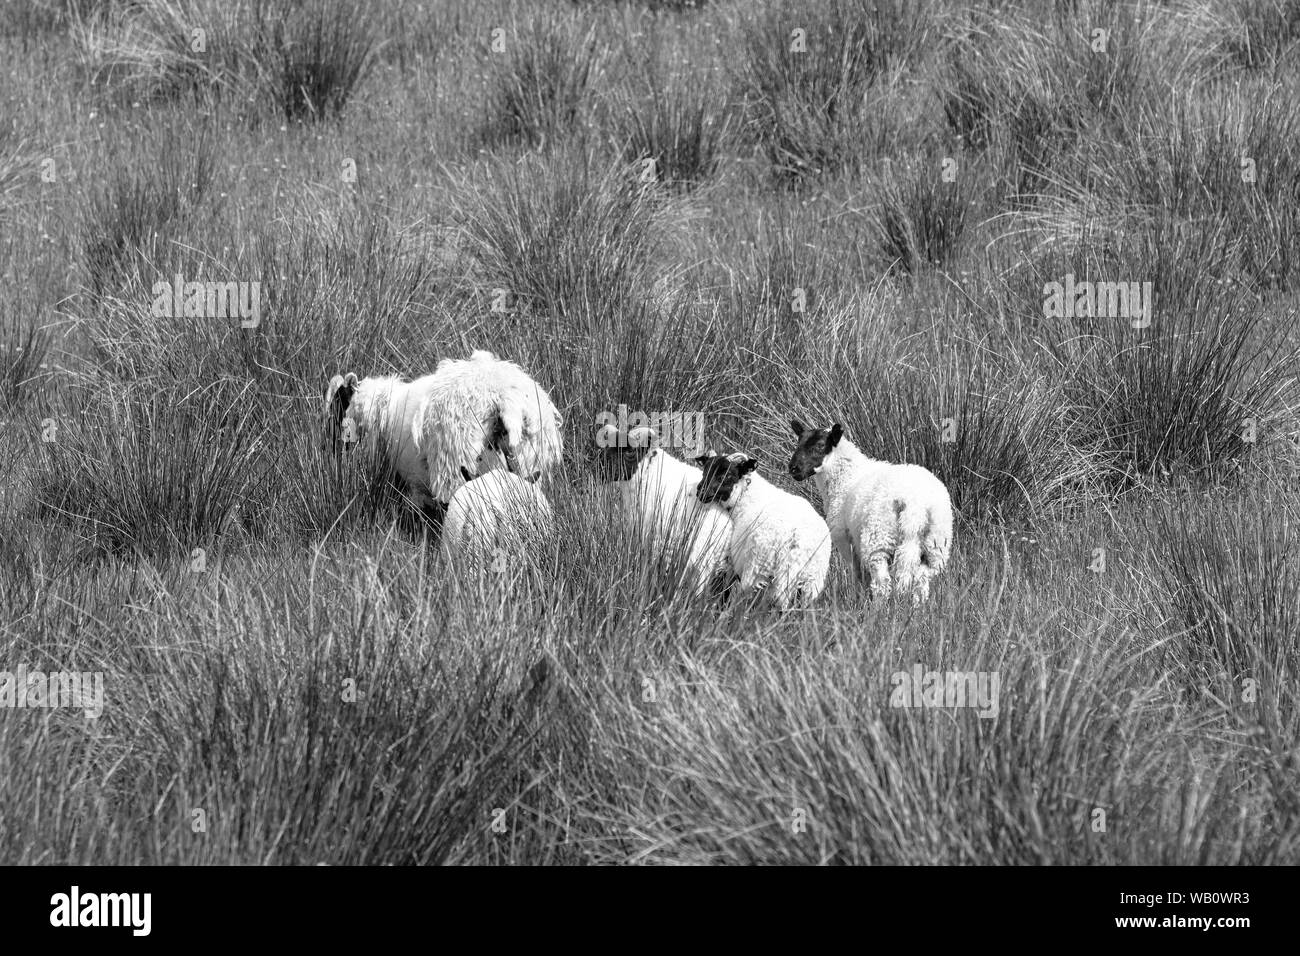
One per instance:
[(844, 548), (878, 568), (906, 578), (925, 587), (431, 510), (720, 585), (751, 582), (923, 578)]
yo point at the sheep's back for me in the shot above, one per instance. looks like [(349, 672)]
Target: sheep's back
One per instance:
[(457, 406), (498, 510), (660, 503), (871, 505)]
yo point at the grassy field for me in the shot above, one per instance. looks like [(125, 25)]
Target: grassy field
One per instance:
[(836, 210)]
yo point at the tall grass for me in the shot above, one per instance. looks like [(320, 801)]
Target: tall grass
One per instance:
[(808, 69), (320, 684), (1180, 397), (672, 117), (130, 217), (24, 345), (540, 79), (571, 238), (304, 59), (925, 209), (165, 472)]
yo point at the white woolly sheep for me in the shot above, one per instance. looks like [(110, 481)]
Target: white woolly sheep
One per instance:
[(657, 494), (495, 514), (780, 546), (472, 413), (890, 522)]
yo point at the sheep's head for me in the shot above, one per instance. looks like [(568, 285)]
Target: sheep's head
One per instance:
[(341, 421), (814, 444), (502, 435), (723, 474), (620, 455)]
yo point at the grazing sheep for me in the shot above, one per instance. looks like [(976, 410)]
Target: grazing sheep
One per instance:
[(780, 545), (657, 494), (497, 513), (884, 517), (485, 410), (470, 413)]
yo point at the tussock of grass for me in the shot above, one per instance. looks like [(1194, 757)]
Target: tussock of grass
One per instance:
[(1232, 574), (129, 218), (24, 345), (671, 115), (540, 84), (303, 59), (1260, 32), (1173, 398), (923, 215), (159, 471), (808, 94), (570, 238)]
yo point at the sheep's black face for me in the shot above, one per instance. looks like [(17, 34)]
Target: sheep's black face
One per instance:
[(814, 444), (721, 475), (619, 461), (498, 440), (339, 425)]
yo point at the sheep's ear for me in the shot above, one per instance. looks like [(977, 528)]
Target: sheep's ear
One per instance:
[(465, 473), (748, 465), (643, 437), (607, 437), (338, 396), (533, 478), (797, 427), (834, 437)]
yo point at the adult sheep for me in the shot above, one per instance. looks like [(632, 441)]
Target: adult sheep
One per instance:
[(889, 522), (470, 413), (780, 546)]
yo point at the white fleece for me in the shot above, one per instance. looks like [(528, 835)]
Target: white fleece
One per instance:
[(780, 546), (891, 521), (462, 398), (659, 502), (383, 413), (496, 515)]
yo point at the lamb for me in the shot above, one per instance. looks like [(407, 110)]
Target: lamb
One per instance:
[(657, 494), (474, 413), (780, 546), (892, 520), (494, 515)]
